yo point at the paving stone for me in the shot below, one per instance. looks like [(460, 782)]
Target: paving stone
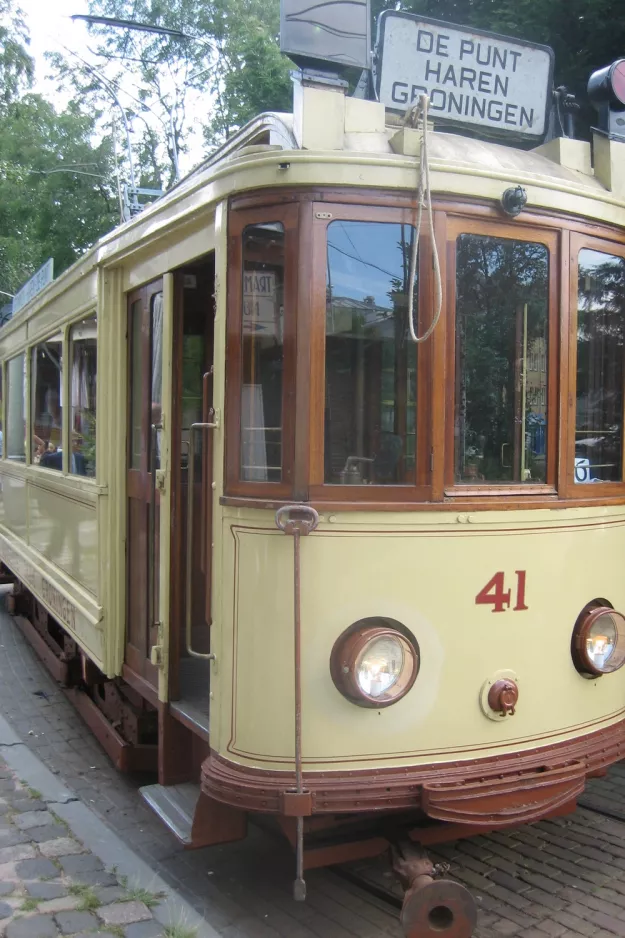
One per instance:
[(32, 819), (62, 904), (6, 888), (95, 878), (19, 852), (5, 910), (46, 832), (61, 847), (34, 926), (78, 864), (124, 913), (10, 838), (71, 922), (109, 894), (151, 929), (36, 869), (46, 890)]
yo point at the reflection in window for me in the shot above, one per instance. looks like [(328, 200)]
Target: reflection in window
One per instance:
[(16, 409), (47, 405), (137, 381), (600, 341), (370, 402), (84, 358), (263, 353), (1, 428), (501, 360)]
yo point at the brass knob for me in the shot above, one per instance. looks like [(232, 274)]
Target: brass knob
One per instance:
[(503, 697)]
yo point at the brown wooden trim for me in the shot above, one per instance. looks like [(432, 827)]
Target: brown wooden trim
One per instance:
[(391, 789), (287, 215), (460, 206), (142, 687), (59, 669), (485, 502)]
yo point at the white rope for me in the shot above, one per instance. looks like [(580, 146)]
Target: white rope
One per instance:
[(424, 198)]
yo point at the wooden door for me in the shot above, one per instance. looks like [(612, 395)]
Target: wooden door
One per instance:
[(145, 378)]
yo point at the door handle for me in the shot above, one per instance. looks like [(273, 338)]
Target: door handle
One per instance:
[(189, 569), (505, 465)]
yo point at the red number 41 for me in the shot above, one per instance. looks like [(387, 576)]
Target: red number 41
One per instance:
[(496, 595)]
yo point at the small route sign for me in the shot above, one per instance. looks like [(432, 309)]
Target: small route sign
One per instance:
[(496, 84)]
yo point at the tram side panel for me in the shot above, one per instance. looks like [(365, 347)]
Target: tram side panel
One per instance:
[(483, 595)]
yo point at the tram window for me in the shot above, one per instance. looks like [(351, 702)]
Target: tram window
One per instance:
[(16, 409), (84, 359), (501, 360), (600, 349), (262, 353), (371, 364), (47, 403)]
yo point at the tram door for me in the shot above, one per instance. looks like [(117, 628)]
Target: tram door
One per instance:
[(145, 376), (192, 456)]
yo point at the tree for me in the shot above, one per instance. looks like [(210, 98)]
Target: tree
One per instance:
[(56, 194), (16, 65)]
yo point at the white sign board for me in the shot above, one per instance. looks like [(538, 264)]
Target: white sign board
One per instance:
[(35, 285), (261, 314), (498, 84)]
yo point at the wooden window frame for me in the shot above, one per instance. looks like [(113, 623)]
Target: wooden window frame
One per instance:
[(596, 491), (288, 215), (516, 231), (421, 488)]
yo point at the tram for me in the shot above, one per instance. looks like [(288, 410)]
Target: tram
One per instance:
[(298, 564)]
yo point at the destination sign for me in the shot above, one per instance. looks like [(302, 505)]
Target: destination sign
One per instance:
[(476, 78), (40, 279)]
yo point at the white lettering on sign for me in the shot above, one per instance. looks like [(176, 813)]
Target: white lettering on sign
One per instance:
[(35, 285), (470, 77), (261, 313)]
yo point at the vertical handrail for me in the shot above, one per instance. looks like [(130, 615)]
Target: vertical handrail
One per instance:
[(297, 520), (154, 429), (189, 565)]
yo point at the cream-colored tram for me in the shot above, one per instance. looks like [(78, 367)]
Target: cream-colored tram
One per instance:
[(298, 564)]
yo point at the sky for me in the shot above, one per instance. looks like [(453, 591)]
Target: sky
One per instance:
[(51, 29)]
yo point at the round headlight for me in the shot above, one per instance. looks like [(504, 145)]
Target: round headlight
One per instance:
[(373, 665), (599, 640)]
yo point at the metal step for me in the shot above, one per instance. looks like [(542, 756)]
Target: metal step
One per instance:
[(175, 806)]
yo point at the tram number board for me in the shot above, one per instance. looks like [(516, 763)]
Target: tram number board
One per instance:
[(472, 78)]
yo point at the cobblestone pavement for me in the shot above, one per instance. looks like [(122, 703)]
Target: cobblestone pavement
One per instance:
[(51, 885), (564, 877)]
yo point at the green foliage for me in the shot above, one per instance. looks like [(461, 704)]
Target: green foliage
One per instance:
[(16, 65), (56, 196)]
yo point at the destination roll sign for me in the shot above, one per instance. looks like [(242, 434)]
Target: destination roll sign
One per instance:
[(497, 84)]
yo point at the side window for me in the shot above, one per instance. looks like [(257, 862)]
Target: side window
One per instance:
[(1, 427), (262, 349), (47, 403), (371, 364), (502, 308), (84, 365), (16, 409), (600, 349)]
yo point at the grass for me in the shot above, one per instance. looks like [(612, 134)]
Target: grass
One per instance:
[(34, 793), (116, 930), (88, 901), (139, 894), (179, 930), (29, 904)]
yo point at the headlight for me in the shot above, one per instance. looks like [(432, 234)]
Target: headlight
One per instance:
[(599, 640), (374, 665)]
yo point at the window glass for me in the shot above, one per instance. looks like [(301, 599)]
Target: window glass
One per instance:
[(263, 353), (16, 409), (84, 358), (1, 427), (371, 363), (501, 360), (47, 403), (600, 346), (136, 384)]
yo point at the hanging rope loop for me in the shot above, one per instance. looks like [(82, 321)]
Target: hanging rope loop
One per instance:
[(418, 115)]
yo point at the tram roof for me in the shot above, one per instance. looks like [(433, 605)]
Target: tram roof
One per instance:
[(460, 166)]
